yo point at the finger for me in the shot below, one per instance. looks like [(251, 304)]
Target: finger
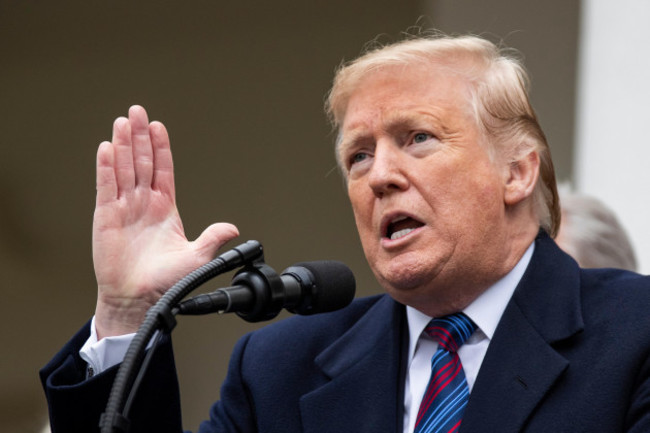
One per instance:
[(213, 238), (142, 152), (124, 173), (163, 175), (106, 181)]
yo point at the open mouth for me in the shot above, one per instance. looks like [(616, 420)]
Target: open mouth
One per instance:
[(401, 226)]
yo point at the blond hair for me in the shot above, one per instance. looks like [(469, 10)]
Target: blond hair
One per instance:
[(499, 100)]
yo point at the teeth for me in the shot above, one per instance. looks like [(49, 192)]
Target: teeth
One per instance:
[(398, 219), (400, 233)]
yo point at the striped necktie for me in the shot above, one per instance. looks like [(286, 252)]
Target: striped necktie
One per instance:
[(447, 393)]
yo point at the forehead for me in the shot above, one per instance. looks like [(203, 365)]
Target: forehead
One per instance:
[(402, 94)]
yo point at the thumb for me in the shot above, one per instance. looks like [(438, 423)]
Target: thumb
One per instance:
[(213, 238)]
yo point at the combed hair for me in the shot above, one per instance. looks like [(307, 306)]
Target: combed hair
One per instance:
[(499, 99)]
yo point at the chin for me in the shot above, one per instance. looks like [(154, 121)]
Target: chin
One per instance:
[(408, 270), (403, 278)]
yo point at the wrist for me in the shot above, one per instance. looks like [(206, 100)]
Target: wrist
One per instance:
[(114, 317)]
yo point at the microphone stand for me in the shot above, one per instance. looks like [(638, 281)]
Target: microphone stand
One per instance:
[(160, 318)]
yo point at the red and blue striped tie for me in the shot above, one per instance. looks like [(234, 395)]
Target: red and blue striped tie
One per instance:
[(444, 401)]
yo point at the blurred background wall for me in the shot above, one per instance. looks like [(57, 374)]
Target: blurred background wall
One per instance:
[(240, 86)]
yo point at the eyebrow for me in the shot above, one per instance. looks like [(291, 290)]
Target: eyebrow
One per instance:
[(409, 118)]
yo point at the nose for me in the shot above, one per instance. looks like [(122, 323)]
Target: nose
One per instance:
[(387, 173)]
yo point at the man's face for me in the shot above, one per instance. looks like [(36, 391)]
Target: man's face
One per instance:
[(427, 199)]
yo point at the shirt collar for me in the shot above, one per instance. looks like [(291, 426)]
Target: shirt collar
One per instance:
[(485, 311)]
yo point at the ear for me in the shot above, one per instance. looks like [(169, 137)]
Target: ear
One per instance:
[(522, 178)]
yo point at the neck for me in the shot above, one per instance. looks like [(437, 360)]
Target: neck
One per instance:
[(454, 296)]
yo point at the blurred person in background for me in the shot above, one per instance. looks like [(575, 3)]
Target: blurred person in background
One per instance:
[(592, 234)]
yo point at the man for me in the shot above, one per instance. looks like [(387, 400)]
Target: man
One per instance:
[(452, 186)]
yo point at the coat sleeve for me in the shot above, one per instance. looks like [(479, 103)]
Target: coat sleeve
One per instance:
[(76, 403)]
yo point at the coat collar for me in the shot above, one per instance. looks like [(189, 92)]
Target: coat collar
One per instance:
[(521, 364)]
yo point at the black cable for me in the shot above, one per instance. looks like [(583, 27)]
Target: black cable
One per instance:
[(143, 369)]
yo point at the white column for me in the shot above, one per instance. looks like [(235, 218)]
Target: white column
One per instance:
[(612, 160)]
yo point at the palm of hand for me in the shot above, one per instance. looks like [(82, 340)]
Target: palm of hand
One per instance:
[(139, 245)]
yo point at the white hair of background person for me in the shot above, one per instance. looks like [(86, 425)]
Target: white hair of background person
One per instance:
[(591, 233)]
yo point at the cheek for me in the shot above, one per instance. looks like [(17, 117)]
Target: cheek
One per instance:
[(360, 197), (363, 227), (481, 182), (362, 209), (462, 201), (482, 213)]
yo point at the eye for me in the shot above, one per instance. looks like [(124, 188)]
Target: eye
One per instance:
[(358, 157), (421, 137)]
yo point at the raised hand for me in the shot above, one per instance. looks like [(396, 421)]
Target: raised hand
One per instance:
[(139, 245)]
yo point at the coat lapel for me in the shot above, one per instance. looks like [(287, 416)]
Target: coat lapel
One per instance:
[(364, 377), (363, 391), (521, 365)]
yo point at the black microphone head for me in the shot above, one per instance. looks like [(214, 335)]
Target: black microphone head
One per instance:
[(327, 285)]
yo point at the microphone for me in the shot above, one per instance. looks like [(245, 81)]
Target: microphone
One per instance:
[(258, 293)]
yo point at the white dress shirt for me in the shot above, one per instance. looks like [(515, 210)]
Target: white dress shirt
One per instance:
[(485, 311), (105, 353)]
